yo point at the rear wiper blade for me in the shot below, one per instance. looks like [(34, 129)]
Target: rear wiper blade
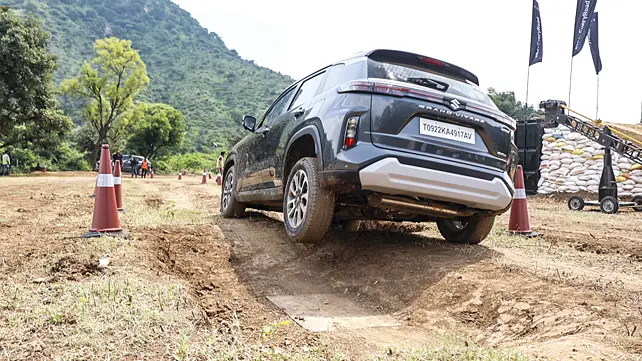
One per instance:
[(430, 83)]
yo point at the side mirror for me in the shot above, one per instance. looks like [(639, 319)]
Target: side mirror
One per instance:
[(249, 123)]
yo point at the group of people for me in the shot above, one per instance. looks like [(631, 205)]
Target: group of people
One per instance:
[(6, 163), (144, 166)]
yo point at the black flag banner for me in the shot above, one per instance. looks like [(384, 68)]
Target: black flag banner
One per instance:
[(594, 44), (536, 36), (583, 15)]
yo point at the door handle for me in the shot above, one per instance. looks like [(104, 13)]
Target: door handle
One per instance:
[(299, 112), (263, 130)]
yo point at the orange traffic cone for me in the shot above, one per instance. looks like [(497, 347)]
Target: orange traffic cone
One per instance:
[(180, 176), (204, 177), (118, 181), (519, 223), (105, 221)]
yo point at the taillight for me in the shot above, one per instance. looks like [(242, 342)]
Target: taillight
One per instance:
[(351, 132), (384, 88)]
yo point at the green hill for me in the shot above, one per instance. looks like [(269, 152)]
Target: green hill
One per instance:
[(190, 68)]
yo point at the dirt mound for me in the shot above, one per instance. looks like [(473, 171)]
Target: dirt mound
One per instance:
[(154, 202)]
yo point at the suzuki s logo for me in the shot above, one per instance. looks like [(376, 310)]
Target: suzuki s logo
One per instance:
[(455, 104)]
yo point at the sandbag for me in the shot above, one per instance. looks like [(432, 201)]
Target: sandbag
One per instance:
[(620, 179)]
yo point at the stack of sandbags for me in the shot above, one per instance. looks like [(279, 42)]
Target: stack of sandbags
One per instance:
[(572, 163)]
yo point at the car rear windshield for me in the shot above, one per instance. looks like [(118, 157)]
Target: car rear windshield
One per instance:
[(428, 78)]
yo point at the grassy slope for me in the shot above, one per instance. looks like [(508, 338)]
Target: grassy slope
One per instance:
[(191, 69)]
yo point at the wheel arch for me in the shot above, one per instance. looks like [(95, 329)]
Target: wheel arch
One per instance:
[(300, 145)]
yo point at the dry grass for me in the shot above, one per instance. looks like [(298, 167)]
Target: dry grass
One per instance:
[(56, 304)]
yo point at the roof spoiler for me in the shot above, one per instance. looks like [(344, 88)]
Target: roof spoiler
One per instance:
[(423, 62)]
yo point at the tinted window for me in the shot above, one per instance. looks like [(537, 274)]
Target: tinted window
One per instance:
[(354, 71), (307, 91), (333, 77), (279, 107), (429, 78)]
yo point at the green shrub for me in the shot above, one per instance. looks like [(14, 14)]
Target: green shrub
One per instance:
[(193, 162)]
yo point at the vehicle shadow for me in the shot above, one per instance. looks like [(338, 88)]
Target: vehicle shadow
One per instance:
[(385, 271)]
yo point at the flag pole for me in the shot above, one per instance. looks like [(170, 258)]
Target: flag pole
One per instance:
[(528, 83), (570, 83), (597, 103)]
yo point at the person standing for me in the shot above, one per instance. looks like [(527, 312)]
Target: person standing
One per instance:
[(6, 163), (219, 163), (115, 157), (145, 168), (134, 164)]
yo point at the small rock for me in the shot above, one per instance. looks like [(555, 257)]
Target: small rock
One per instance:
[(103, 262)]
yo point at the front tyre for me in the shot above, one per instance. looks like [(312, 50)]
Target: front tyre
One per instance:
[(230, 207), (308, 207), (467, 230)]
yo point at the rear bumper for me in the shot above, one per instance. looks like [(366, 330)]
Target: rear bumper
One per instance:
[(389, 176)]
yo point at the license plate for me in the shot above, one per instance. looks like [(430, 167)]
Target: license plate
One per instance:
[(446, 131)]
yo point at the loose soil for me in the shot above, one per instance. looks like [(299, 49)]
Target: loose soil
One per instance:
[(203, 281)]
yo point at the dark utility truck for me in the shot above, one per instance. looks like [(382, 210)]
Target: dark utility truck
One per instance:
[(383, 135)]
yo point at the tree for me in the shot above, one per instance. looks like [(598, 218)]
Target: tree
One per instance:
[(29, 113), (156, 128), (109, 84), (507, 103)]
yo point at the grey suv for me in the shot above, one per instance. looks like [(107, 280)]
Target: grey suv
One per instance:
[(383, 135)]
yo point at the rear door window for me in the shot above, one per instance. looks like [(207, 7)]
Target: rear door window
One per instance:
[(307, 91)]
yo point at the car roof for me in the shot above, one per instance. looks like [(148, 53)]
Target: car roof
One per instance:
[(364, 54)]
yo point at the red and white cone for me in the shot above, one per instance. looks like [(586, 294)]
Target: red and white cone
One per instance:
[(105, 221), (180, 176), (118, 181), (204, 177), (519, 223)]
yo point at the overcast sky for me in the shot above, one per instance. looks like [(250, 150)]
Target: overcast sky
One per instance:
[(491, 38)]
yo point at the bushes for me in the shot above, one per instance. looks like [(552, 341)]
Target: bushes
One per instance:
[(193, 162), (64, 158)]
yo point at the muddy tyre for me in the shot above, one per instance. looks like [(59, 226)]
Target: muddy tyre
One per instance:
[(308, 207), (469, 230), (230, 207)]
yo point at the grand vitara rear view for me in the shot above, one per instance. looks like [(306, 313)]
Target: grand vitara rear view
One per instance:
[(382, 135)]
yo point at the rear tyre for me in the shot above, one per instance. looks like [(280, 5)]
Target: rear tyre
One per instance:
[(609, 205), (638, 200), (308, 207), (468, 230), (230, 207), (576, 203)]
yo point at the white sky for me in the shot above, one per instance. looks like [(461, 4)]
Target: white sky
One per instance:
[(491, 38)]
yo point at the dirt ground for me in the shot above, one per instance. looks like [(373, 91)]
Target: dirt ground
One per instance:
[(188, 284)]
